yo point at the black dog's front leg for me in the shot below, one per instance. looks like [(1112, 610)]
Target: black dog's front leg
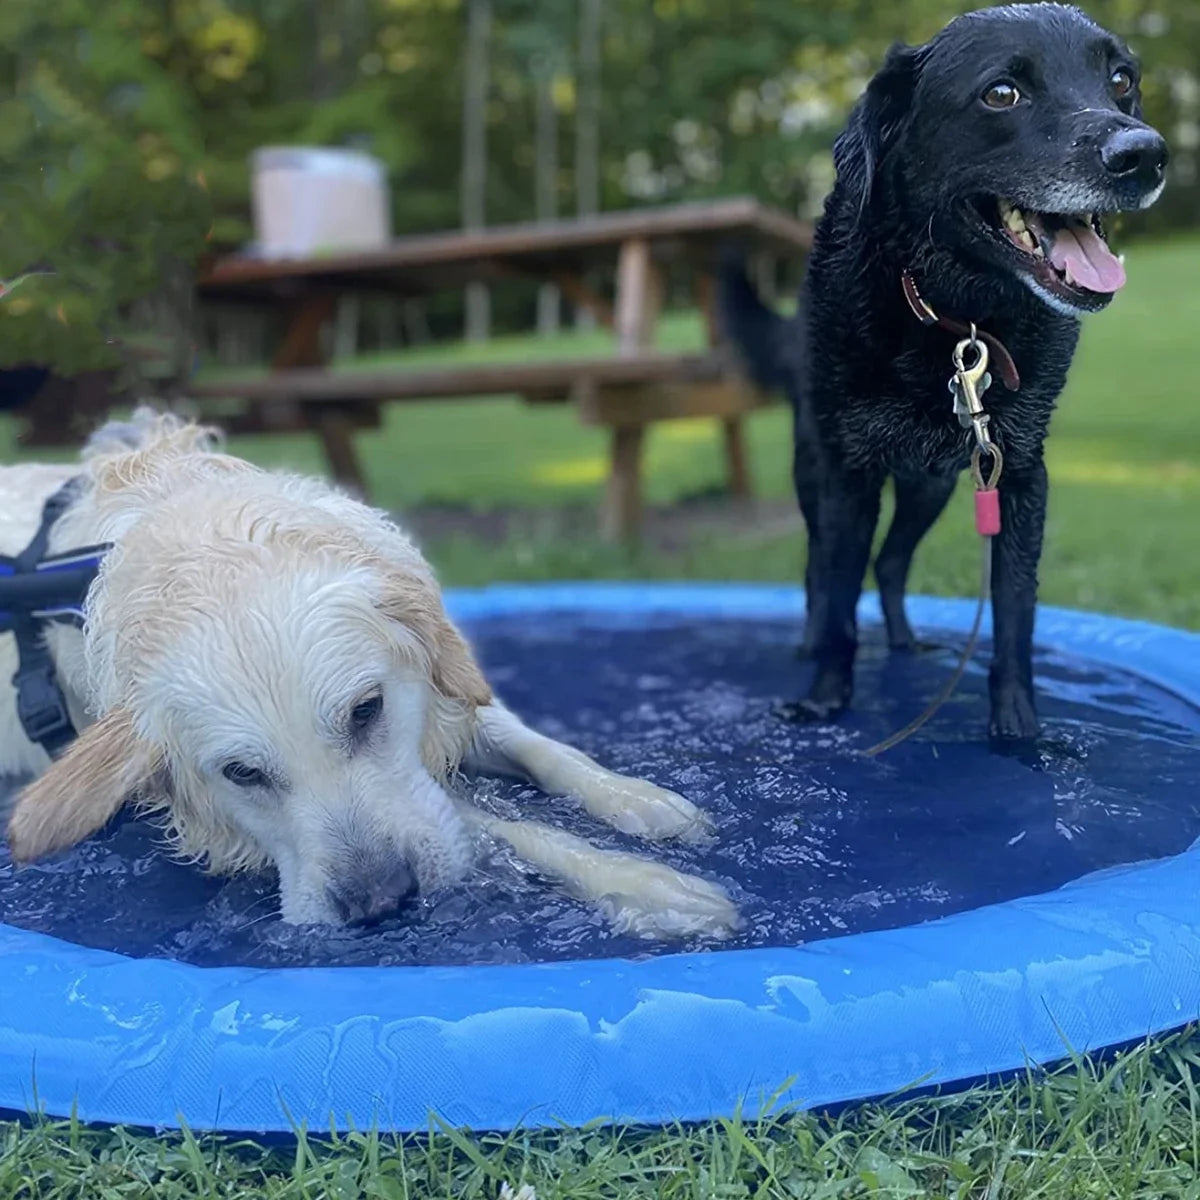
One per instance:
[(920, 500), (849, 511), (1015, 555)]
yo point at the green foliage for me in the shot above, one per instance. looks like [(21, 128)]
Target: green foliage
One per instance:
[(99, 151), (108, 110)]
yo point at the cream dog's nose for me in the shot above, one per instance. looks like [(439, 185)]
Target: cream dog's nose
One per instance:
[(363, 902)]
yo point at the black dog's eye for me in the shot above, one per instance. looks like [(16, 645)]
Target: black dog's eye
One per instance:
[(243, 776), (1002, 95), (365, 714), (1121, 82)]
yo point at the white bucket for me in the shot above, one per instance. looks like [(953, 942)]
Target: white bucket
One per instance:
[(312, 200)]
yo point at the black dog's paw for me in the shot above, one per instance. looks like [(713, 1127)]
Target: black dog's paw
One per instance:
[(913, 645), (828, 699), (810, 712), (1013, 718)]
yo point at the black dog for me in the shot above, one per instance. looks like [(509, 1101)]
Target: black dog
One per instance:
[(979, 165)]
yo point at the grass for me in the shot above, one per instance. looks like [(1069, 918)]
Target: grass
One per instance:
[(1125, 486), (1124, 458), (1116, 1131)]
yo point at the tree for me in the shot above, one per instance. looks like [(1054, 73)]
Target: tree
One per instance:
[(111, 110), (474, 149), (100, 182)]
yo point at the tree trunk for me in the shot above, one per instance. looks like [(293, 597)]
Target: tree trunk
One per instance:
[(355, 38), (474, 153), (546, 143), (322, 82), (587, 124)]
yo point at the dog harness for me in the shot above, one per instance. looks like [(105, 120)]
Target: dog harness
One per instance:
[(36, 590)]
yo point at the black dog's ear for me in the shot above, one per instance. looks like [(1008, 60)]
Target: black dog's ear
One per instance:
[(875, 122)]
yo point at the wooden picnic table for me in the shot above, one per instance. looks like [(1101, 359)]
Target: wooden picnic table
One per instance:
[(625, 391)]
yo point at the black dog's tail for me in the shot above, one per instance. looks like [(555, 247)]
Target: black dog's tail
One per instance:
[(757, 332)]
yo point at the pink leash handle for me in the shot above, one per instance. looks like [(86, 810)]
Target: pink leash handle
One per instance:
[(987, 512)]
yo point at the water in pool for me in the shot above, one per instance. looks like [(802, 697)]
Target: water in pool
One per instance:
[(814, 839)]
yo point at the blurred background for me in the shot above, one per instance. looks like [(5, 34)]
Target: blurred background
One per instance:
[(129, 182)]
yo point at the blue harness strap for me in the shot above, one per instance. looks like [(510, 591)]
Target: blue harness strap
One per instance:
[(37, 589)]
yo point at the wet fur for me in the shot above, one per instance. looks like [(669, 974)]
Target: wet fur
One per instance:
[(868, 382), (237, 608)]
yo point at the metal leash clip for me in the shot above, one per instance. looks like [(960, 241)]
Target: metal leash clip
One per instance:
[(969, 382)]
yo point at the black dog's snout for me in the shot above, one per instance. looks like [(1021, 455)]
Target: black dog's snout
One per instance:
[(1136, 155), (366, 901)]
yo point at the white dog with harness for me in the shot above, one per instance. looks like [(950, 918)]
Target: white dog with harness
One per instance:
[(267, 665)]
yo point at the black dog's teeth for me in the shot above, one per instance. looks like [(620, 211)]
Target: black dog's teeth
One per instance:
[(1033, 232), (1024, 236)]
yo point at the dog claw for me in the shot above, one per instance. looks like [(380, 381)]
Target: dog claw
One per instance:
[(914, 645), (1013, 717), (810, 712)]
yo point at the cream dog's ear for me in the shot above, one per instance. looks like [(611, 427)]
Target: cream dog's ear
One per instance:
[(81, 791), (416, 604)]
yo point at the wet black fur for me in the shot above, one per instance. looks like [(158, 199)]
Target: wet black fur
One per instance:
[(868, 382)]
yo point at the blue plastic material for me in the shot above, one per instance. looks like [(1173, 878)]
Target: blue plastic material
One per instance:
[(1109, 958)]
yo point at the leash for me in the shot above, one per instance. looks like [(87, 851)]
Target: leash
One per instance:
[(967, 385), (902, 735)]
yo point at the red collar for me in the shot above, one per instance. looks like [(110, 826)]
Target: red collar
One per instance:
[(925, 314)]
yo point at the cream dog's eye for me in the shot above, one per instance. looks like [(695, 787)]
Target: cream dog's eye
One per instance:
[(243, 776), (364, 714)]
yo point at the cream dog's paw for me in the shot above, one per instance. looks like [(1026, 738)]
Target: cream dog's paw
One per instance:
[(637, 895), (644, 809), (657, 902)]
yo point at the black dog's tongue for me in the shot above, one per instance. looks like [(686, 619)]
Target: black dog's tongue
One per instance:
[(1080, 252), (1076, 250)]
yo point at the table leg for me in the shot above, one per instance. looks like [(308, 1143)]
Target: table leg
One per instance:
[(706, 301), (301, 347), (336, 432), (638, 300), (737, 467), (622, 515)]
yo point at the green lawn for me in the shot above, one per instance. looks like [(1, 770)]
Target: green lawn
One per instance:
[(1124, 460), (1114, 1132), (1125, 471)]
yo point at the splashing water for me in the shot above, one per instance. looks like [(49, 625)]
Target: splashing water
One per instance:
[(814, 840)]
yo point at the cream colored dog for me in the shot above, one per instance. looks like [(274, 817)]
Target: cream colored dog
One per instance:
[(270, 668)]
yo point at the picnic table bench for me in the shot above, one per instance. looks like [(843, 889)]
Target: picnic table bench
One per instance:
[(624, 392)]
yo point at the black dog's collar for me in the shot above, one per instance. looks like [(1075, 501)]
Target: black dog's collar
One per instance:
[(924, 313), (37, 589)]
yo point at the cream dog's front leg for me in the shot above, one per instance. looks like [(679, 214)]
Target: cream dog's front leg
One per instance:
[(503, 745), (641, 897)]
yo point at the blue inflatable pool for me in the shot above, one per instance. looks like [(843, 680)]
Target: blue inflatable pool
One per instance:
[(941, 914)]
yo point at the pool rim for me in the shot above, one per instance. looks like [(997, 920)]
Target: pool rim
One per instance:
[(1108, 958)]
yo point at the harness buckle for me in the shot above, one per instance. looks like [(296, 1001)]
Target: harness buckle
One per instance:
[(42, 708)]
